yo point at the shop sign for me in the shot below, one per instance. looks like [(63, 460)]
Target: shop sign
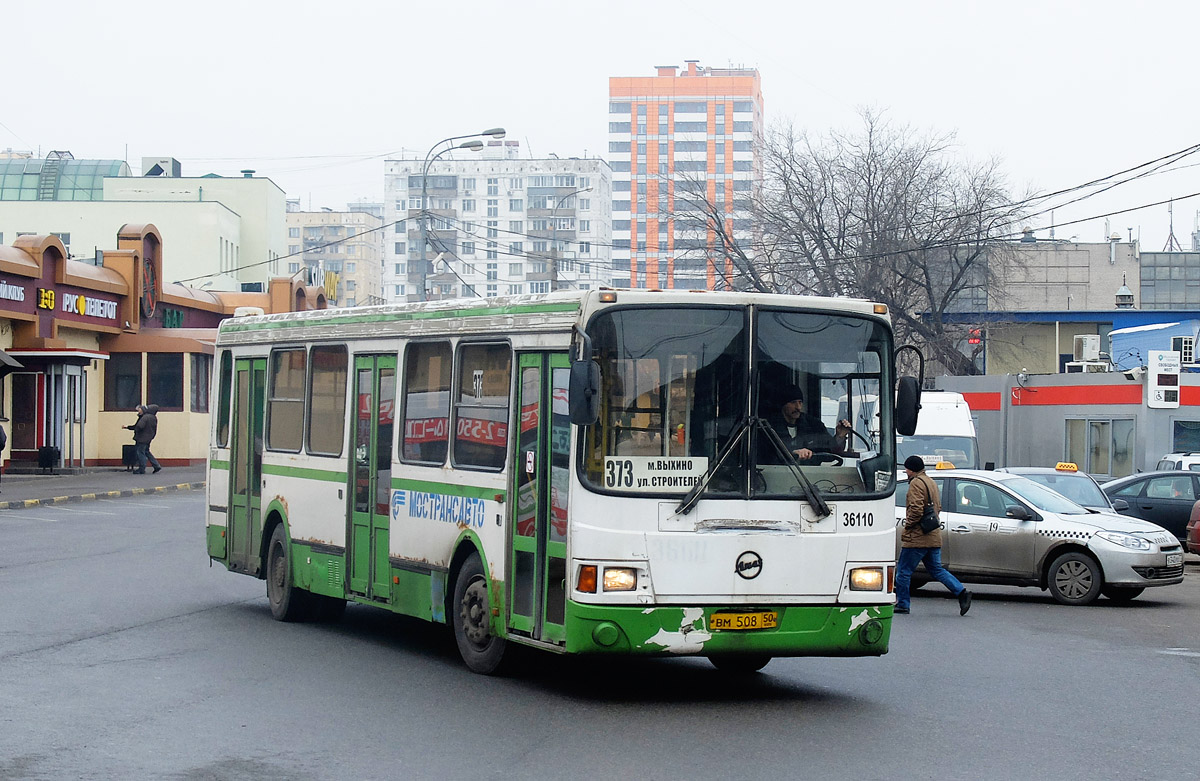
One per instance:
[(76, 304), (172, 318), (11, 292)]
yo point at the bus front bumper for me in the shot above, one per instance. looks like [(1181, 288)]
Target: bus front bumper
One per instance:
[(794, 630)]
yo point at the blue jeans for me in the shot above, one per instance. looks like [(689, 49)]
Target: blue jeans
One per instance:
[(142, 451), (932, 557)]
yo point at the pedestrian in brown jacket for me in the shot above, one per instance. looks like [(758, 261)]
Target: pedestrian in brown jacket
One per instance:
[(918, 546)]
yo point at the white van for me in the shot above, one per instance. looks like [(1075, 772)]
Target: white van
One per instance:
[(945, 432)]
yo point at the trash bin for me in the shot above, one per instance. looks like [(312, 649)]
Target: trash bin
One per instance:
[(129, 457), (48, 457)]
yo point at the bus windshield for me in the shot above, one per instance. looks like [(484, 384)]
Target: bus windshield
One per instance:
[(684, 388)]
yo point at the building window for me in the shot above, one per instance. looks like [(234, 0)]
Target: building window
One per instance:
[(515, 204), (515, 290), (585, 247), (468, 248), (468, 205), (293, 233), (468, 184), (516, 226), (293, 268), (493, 208), (585, 226), (123, 381), (1101, 447), (293, 249), (285, 404), (399, 290), (493, 186), (516, 248), (426, 403), (585, 204), (164, 380), (201, 378), (491, 291), (514, 270), (516, 183), (539, 287), (491, 272)]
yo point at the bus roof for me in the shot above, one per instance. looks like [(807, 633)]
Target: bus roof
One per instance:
[(556, 311)]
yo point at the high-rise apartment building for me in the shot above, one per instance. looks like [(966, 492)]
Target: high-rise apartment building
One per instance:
[(498, 224), (349, 244), (683, 149)]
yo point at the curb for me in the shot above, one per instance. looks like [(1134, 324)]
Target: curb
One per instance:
[(22, 504)]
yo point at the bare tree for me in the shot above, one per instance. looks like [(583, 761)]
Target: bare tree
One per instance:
[(884, 213)]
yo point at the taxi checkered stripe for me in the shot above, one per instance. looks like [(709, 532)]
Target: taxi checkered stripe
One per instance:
[(1067, 535)]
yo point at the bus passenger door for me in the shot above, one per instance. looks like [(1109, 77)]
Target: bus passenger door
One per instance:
[(245, 526), (538, 527), (371, 475)]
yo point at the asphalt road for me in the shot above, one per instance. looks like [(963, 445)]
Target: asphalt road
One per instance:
[(123, 655)]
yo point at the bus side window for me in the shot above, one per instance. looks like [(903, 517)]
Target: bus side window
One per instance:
[(427, 370), (285, 408), (223, 393), (327, 399), (481, 409)]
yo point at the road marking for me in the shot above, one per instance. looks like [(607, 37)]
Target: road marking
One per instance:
[(1180, 652), (82, 512)]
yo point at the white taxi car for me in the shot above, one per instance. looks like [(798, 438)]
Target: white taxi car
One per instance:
[(1007, 529)]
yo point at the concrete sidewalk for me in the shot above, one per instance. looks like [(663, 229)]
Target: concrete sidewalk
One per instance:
[(20, 491)]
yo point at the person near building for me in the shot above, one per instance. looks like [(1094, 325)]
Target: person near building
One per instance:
[(802, 433), (143, 434), (3, 444), (918, 546)]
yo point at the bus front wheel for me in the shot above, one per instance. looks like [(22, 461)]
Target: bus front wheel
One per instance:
[(471, 616), (288, 603), (739, 663)]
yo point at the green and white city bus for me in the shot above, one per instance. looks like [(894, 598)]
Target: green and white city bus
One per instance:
[(591, 472)]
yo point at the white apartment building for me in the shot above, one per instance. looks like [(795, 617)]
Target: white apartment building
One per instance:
[(349, 244), (498, 224), (683, 148)]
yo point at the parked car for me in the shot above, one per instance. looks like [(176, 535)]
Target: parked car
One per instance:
[(1193, 529), (1066, 479), (1005, 528), (1189, 461), (1165, 498)]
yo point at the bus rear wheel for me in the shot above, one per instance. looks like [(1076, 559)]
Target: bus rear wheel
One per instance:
[(471, 617), (288, 603), (739, 663)]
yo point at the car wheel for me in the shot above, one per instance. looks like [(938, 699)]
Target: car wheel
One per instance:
[(739, 664), (1075, 579), (471, 616), (1121, 593)]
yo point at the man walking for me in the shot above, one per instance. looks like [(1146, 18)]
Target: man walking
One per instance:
[(917, 546), (143, 434)]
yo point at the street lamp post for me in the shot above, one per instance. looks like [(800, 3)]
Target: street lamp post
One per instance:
[(554, 236), (475, 144)]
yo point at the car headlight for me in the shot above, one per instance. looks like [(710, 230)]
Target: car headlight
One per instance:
[(1125, 540), (620, 579)]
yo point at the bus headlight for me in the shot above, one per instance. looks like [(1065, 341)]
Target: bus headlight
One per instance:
[(620, 578), (866, 579)]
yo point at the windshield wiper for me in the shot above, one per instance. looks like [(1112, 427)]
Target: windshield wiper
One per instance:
[(691, 497), (811, 494)]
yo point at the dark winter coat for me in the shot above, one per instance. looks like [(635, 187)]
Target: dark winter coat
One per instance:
[(146, 426)]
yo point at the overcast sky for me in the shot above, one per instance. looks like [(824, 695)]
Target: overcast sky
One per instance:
[(316, 94)]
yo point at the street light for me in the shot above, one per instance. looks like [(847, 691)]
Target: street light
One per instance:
[(474, 145), (554, 236)]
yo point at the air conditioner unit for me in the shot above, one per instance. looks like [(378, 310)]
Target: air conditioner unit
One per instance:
[(1185, 346), (1087, 347), (1087, 367)]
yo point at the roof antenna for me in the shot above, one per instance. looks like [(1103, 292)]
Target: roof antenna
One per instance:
[(1172, 242)]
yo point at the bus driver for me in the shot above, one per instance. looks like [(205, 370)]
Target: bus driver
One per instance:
[(805, 434)]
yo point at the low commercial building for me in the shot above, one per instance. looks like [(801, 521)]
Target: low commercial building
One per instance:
[(82, 345)]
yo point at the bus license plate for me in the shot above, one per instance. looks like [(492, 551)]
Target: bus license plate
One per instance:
[(766, 619), (1174, 559)]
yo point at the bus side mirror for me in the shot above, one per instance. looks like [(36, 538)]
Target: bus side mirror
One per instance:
[(908, 404), (584, 392)]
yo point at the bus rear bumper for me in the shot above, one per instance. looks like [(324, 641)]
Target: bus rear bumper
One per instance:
[(800, 630)]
